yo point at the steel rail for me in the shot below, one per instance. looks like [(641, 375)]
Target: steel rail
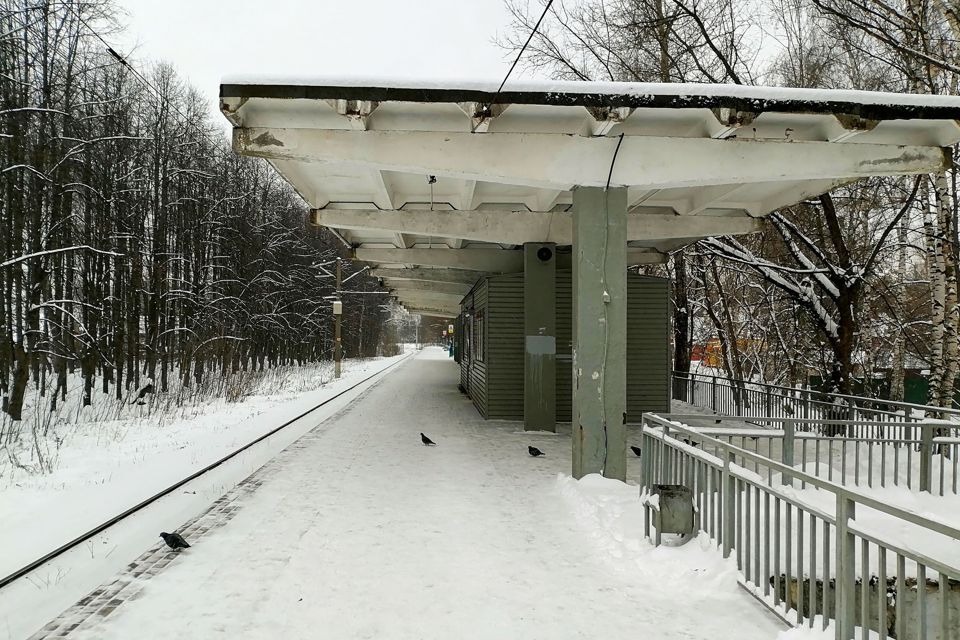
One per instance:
[(16, 575)]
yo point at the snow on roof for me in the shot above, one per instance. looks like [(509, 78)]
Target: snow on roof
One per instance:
[(872, 104)]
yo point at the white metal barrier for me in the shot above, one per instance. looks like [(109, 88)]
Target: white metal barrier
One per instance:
[(922, 456), (806, 558)]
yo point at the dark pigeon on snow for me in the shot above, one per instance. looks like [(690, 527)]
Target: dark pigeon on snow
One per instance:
[(533, 451), (636, 450), (144, 390), (175, 541), (427, 441)]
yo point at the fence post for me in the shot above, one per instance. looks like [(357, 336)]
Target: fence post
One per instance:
[(926, 455), (713, 393), (769, 403), (646, 470), (729, 517), (786, 453), (846, 568), (806, 404), (666, 461)]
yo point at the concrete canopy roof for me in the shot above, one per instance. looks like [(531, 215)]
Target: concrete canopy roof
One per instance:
[(455, 176)]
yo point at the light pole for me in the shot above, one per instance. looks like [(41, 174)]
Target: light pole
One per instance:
[(337, 313)]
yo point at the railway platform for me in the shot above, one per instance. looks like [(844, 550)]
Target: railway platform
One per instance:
[(358, 530)]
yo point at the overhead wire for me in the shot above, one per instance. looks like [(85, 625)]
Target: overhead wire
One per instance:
[(140, 77), (523, 48), (166, 102), (606, 298)]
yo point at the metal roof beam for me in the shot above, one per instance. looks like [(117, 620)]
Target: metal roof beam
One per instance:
[(488, 260), (603, 119), (517, 227), (437, 313), (792, 195), (431, 298), (430, 302), (451, 288), (559, 161), (461, 276), (481, 114), (356, 111)]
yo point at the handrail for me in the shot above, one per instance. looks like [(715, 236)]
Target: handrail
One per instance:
[(929, 437), (850, 423), (820, 483), (822, 397), (795, 556)]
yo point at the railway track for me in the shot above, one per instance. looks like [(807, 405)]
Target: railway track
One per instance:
[(41, 576)]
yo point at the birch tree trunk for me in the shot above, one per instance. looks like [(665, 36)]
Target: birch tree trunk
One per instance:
[(938, 296), (947, 263), (898, 350)]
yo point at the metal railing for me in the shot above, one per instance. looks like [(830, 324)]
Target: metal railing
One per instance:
[(922, 456), (737, 397), (808, 558)]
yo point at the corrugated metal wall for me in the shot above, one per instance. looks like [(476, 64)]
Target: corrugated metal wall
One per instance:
[(496, 385), (505, 347), (649, 335), (564, 290), (477, 368)]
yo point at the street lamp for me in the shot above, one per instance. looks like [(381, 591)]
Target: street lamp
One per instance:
[(337, 314)]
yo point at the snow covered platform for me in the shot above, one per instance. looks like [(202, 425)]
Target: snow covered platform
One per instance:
[(359, 531)]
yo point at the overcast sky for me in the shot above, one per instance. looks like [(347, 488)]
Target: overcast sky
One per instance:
[(207, 39)]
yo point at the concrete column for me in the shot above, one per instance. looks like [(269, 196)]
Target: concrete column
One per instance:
[(600, 332), (540, 331)]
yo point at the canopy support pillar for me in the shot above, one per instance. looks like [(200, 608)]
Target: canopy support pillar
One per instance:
[(600, 331)]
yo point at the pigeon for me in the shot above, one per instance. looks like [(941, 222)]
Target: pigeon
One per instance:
[(144, 390), (533, 451), (174, 540), (636, 450), (427, 441)]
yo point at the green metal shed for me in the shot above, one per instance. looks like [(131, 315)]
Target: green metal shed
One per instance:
[(490, 345)]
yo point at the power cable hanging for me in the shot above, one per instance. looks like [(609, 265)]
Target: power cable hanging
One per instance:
[(522, 49), (613, 161), (431, 180), (140, 77)]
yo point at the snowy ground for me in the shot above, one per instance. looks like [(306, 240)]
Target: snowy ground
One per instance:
[(106, 467), (362, 532)]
